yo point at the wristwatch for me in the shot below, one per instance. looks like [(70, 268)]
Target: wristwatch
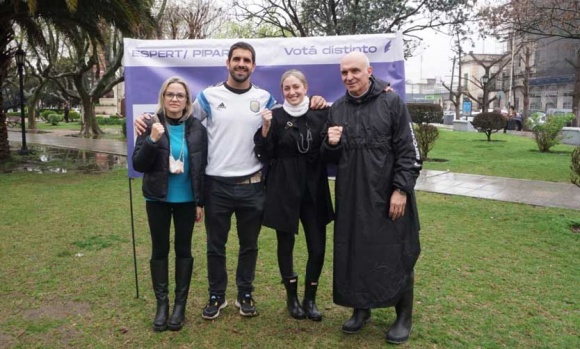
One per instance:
[(400, 191)]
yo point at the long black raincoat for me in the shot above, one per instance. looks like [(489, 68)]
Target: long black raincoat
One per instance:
[(373, 255), (294, 176)]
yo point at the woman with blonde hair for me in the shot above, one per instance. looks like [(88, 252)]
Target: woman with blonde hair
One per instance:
[(296, 187), (172, 154)]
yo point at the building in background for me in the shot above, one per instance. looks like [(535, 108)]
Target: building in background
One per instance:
[(427, 91)]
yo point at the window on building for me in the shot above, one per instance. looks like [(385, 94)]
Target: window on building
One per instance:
[(465, 79)]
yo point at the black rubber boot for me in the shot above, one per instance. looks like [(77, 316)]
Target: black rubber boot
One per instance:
[(292, 303), (357, 321), (401, 330), (309, 302), (183, 270), (159, 278)]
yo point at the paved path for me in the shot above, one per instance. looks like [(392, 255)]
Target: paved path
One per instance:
[(65, 139), (563, 195)]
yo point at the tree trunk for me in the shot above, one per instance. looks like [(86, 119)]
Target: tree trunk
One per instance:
[(89, 126), (526, 85), (6, 37), (32, 103), (576, 93), (4, 146)]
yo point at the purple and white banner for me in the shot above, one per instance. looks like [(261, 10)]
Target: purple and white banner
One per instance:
[(202, 63)]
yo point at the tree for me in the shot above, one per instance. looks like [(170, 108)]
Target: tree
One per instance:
[(461, 34), (67, 17), (488, 123), (522, 47), (575, 167), (346, 17), (544, 19), (94, 72), (195, 19), (39, 68), (487, 62)]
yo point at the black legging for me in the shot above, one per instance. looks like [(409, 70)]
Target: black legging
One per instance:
[(315, 233), (159, 216)]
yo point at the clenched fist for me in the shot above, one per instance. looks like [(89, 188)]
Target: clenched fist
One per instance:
[(157, 131), (266, 121), (334, 134)]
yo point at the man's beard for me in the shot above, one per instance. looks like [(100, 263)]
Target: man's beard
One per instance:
[(238, 78)]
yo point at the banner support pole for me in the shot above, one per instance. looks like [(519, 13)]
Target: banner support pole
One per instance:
[(133, 238)]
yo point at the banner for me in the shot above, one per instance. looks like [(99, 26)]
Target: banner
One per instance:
[(202, 63)]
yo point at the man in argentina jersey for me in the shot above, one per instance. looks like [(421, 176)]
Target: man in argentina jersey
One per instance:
[(233, 181)]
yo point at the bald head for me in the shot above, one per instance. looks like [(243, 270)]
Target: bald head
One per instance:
[(356, 56), (356, 71)]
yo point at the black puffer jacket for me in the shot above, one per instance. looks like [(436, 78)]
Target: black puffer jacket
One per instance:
[(153, 159)]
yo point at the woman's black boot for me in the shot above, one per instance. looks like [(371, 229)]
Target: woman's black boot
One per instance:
[(401, 330), (292, 302), (357, 321), (160, 287), (183, 270), (309, 302)]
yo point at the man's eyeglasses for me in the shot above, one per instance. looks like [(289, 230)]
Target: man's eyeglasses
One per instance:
[(171, 95)]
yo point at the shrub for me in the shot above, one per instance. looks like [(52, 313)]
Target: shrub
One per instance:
[(45, 113), (422, 114), (547, 134), (54, 118), (426, 136), (103, 120), (575, 166), (488, 123), (425, 113), (74, 116)]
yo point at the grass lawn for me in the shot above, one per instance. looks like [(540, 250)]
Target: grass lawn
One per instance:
[(491, 275), (507, 155)]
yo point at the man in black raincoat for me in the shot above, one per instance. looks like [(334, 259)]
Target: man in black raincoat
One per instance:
[(376, 236)]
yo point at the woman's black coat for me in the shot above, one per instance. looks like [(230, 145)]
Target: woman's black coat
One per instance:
[(294, 176), (152, 159)]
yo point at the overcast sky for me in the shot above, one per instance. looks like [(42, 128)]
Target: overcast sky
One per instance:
[(435, 58)]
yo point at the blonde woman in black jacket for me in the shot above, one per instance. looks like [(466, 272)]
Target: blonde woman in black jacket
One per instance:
[(172, 154), (296, 187)]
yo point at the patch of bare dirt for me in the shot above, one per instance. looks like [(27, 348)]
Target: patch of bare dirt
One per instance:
[(56, 310), (575, 228), (6, 341)]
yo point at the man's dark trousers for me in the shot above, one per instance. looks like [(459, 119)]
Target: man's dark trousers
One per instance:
[(222, 200)]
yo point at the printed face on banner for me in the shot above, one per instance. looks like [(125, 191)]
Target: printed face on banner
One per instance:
[(240, 67), (355, 74), (294, 90)]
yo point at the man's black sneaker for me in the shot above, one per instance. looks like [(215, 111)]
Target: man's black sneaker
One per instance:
[(213, 307), (246, 304)]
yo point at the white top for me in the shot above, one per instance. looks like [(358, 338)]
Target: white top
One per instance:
[(231, 120)]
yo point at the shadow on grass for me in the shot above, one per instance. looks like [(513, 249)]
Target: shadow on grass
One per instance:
[(436, 160), (555, 152), (491, 141)]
